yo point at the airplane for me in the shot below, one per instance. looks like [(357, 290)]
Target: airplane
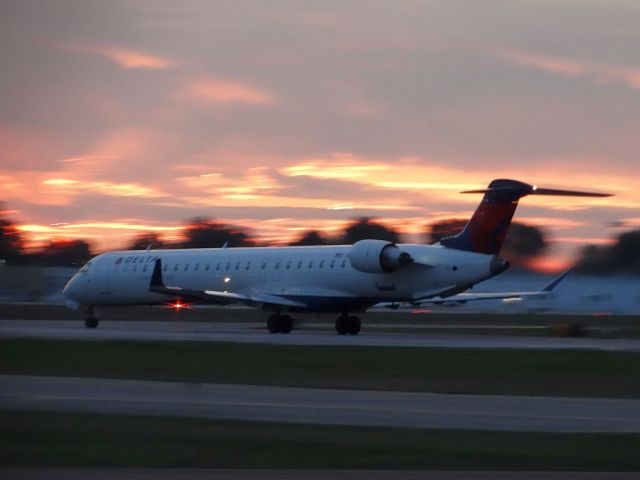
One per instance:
[(342, 279)]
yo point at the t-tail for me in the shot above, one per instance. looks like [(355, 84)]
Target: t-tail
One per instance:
[(487, 229)]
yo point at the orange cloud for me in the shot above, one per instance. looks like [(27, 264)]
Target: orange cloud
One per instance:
[(405, 175), (119, 232), (602, 74), (127, 58), (103, 187), (215, 90)]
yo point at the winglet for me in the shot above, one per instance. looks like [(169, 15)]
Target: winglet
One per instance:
[(156, 282), (554, 283)]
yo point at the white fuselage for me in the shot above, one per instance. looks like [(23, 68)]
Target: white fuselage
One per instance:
[(322, 278)]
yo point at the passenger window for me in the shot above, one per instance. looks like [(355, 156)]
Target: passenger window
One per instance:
[(218, 266), (228, 266), (186, 267), (277, 265), (237, 265), (333, 263), (175, 268), (300, 264), (311, 264), (288, 264), (344, 263), (166, 265), (196, 267), (248, 266), (135, 259), (321, 264), (264, 265)]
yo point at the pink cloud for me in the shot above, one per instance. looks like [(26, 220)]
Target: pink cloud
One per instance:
[(601, 74), (128, 58), (215, 90)]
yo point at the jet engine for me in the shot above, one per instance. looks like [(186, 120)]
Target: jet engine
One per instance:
[(377, 256)]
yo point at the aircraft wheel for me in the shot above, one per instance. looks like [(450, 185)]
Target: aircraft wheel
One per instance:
[(342, 325), (91, 322), (286, 324), (273, 324), (354, 326)]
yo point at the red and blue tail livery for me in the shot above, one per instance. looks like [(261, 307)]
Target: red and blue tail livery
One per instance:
[(487, 229)]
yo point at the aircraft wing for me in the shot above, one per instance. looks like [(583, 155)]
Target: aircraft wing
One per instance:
[(214, 296), (468, 297)]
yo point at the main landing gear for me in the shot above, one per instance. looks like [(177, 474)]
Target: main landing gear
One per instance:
[(91, 320), (348, 325), (277, 323), (345, 324)]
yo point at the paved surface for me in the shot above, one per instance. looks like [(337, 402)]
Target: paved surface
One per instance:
[(201, 474), (246, 332), (320, 406)]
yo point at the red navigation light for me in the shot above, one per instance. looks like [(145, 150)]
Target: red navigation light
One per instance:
[(178, 305)]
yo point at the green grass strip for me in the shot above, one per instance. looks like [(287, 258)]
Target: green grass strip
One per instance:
[(516, 372), (69, 439)]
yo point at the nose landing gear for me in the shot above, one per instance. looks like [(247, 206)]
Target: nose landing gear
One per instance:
[(91, 320), (277, 323)]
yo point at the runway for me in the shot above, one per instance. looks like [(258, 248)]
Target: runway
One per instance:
[(320, 406), (292, 474), (254, 332)]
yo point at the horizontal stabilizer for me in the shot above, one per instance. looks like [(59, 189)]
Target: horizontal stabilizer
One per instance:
[(524, 190)]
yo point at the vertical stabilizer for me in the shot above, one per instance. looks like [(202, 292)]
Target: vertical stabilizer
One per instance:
[(487, 229)]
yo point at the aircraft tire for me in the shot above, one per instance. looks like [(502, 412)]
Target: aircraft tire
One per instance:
[(91, 322), (354, 326), (286, 324), (274, 324), (342, 325)]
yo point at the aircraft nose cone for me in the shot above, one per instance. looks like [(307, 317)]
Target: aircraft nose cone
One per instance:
[(70, 288), (71, 294), (498, 265)]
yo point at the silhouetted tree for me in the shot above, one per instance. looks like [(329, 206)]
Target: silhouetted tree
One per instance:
[(11, 246), (445, 228), (364, 228), (141, 242), (621, 257), (312, 237), (65, 253), (595, 259), (522, 242), (205, 233)]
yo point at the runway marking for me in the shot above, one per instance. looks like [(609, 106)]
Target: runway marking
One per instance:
[(470, 413)]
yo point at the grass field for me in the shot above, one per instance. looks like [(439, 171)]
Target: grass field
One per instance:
[(516, 372), (65, 439)]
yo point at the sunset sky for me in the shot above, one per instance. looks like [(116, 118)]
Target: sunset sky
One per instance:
[(120, 117)]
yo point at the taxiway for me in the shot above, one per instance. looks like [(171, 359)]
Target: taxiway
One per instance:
[(320, 406)]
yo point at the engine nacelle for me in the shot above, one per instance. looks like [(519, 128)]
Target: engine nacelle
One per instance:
[(377, 256)]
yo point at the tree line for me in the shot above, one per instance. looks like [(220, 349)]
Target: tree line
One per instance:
[(522, 244)]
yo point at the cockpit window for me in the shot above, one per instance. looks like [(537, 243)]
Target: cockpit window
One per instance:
[(85, 268)]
